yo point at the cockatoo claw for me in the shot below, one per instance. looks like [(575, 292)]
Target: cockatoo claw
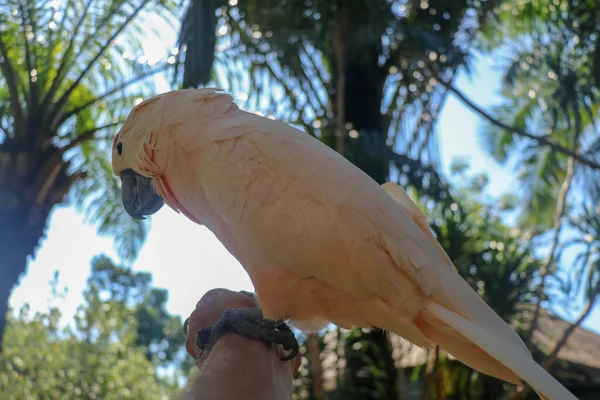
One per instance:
[(249, 294), (249, 322)]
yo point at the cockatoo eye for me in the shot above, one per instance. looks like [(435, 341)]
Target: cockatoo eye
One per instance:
[(120, 148)]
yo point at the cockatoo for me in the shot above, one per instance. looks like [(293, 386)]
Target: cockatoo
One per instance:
[(321, 241)]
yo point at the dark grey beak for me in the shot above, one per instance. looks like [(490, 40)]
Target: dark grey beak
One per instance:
[(138, 195)]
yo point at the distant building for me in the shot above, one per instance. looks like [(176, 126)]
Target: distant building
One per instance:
[(577, 366)]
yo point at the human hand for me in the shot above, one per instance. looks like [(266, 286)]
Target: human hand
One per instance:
[(236, 367)]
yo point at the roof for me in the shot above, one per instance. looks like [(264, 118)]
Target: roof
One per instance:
[(578, 360), (583, 346), (578, 363)]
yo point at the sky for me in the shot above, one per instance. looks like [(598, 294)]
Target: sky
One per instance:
[(187, 259)]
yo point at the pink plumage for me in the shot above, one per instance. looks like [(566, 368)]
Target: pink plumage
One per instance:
[(321, 241)]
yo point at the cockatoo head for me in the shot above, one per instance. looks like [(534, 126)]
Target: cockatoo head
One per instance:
[(144, 147), (132, 154)]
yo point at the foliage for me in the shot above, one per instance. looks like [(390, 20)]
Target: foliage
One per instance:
[(109, 351), (584, 278), (159, 332), (549, 87), (287, 59), (294, 59), (349, 73), (368, 372), (66, 81), (489, 254), (358, 70), (70, 71)]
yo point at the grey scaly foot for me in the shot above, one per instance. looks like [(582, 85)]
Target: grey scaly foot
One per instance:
[(249, 322)]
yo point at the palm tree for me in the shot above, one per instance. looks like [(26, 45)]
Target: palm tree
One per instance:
[(66, 83), (583, 279), (550, 87)]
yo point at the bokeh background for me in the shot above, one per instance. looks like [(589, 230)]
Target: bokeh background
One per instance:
[(485, 111)]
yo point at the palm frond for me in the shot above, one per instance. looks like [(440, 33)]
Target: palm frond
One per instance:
[(93, 37), (73, 69), (279, 58), (585, 271), (547, 89), (542, 173)]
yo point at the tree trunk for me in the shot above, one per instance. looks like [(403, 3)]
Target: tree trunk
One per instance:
[(546, 267), (363, 97), (30, 186), (359, 81), (19, 237), (314, 357)]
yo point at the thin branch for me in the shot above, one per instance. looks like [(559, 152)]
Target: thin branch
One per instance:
[(558, 223), (433, 375), (57, 81), (313, 64), (86, 136), (53, 34), (65, 97), (545, 269), (29, 57), (68, 114), (46, 180), (539, 139), (11, 82)]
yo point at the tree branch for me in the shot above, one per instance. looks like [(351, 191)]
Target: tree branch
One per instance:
[(30, 62), (539, 139), (85, 136), (544, 270), (61, 72), (68, 114), (558, 220), (65, 97), (314, 358), (54, 33), (11, 82)]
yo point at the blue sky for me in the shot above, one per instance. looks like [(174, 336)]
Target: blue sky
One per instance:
[(186, 258)]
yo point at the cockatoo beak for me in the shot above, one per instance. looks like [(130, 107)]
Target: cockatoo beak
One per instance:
[(138, 195)]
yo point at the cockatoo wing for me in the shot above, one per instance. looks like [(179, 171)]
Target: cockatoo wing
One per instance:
[(279, 186), (402, 198)]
